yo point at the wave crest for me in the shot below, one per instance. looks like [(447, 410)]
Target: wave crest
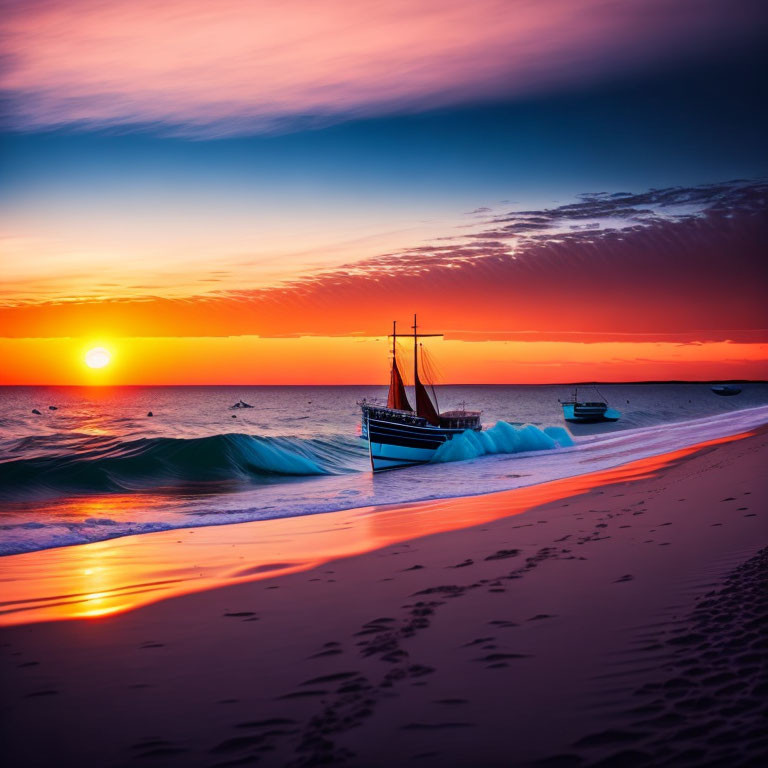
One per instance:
[(158, 462), (502, 438)]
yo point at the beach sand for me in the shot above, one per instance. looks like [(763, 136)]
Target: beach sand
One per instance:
[(624, 625)]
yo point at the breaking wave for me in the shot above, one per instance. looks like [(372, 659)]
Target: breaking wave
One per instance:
[(103, 466), (502, 438), (154, 463)]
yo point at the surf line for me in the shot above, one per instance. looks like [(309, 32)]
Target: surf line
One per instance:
[(100, 579)]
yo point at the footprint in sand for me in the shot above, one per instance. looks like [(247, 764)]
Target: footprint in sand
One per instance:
[(334, 678), (496, 657), (502, 554), (302, 694), (329, 652), (478, 641)]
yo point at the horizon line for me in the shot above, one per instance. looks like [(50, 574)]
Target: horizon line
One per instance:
[(444, 384)]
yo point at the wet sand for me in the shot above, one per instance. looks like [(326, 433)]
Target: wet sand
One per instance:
[(622, 625)]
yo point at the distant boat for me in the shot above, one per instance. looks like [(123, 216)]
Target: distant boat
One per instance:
[(588, 412), (725, 390), (399, 435), (241, 404)]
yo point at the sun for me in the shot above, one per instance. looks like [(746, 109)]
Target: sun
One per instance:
[(97, 357)]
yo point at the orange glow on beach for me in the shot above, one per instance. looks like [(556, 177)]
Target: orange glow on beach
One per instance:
[(96, 580)]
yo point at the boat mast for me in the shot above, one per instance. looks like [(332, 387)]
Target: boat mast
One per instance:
[(394, 339), (415, 352)]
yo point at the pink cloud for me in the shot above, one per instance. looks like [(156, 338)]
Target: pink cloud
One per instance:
[(235, 66), (683, 279)]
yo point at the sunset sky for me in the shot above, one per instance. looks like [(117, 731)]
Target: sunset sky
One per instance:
[(250, 192)]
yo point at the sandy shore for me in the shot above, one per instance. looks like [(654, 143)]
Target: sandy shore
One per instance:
[(624, 625)]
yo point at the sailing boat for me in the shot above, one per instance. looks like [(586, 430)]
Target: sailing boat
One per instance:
[(588, 412), (402, 436)]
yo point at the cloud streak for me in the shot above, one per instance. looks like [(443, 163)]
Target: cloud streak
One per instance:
[(235, 66), (682, 265)]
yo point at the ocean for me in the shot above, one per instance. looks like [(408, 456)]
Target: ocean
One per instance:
[(92, 464)]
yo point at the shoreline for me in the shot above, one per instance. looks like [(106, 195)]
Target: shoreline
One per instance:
[(121, 573), (522, 638), (35, 525)]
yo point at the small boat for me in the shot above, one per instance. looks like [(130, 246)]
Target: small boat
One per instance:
[(240, 404), (583, 412), (400, 435), (725, 390)]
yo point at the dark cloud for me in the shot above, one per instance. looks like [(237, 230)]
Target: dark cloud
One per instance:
[(679, 265)]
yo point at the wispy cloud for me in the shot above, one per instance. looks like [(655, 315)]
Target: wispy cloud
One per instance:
[(237, 66), (680, 265)]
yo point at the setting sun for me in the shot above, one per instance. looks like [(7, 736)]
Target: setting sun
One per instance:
[(97, 357)]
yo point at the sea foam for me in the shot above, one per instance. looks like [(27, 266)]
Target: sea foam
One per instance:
[(502, 438)]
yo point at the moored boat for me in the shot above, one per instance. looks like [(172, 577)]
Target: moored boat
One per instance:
[(400, 435), (584, 412)]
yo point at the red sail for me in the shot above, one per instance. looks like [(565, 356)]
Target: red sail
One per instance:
[(397, 397), (424, 405)]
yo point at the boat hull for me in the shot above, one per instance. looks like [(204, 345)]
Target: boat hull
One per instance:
[(587, 416), (395, 443), (386, 456)]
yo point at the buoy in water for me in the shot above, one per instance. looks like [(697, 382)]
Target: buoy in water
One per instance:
[(34, 410), (52, 408), (150, 414)]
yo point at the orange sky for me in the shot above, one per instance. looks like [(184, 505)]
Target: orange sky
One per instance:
[(243, 192), (654, 303), (364, 360)]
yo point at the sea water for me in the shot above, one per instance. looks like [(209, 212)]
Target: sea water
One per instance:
[(95, 465)]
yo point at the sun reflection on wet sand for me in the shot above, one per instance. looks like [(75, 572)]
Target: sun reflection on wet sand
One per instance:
[(92, 581)]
